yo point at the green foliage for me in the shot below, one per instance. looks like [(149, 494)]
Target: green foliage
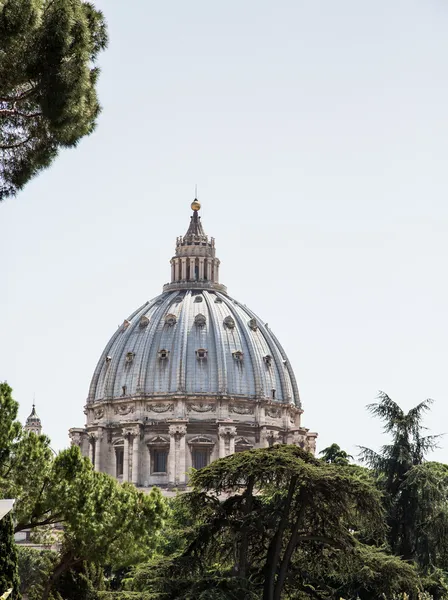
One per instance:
[(9, 573), (9, 427), (409, 486), (48, 100), (277, 521), (35, 567), (128, 596), (334, 455)]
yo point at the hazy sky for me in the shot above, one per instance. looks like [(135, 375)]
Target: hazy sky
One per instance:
[(317, 132)]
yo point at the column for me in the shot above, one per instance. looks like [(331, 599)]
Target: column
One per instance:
[(216, 270), (172, 456), (208, 269), (201, 269), (135, 455), (91, 442), (98, 439), (222, 442), (172, 270), (182, 456), (126, 457), (184, 268), (232, 436), (176, 269)]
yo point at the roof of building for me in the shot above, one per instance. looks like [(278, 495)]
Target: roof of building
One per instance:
[(33, 420), (194, 339)]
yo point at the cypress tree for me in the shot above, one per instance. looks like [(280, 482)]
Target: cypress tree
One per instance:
[(9, 573)]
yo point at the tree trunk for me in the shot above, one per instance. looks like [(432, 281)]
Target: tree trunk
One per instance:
[(66, 562), (273, 555), (288, 555), (242, 562)]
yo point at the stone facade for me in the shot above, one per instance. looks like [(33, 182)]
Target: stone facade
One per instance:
[(156, 442)]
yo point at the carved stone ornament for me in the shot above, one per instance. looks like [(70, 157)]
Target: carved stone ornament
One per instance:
[(201, 440), (76, 438), (126, 324), (170, 320), (160, 408), (227, 431), (201, 407), (229, 322), (132, 431), (98, 413), (274, 413), (200, 320), (242, 442), (178, 430), (239, 409), (124, 409)]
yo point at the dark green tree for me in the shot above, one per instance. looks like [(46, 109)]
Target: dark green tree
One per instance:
[(335, 455), (9, 429), (278, 523), (394, 466), (9, 572), (48, 76)]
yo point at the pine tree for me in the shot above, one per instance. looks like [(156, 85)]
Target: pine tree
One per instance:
[(9, 574), (48, 100)]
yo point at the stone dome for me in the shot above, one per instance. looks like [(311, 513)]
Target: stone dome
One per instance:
[(193, 342), (189, 377)]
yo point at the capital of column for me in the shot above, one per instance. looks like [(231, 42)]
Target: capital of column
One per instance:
[(177, 430), (227, 431), (76, 438), (131, 431)]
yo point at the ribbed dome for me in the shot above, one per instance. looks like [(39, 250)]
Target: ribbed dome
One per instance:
[(193, 342)]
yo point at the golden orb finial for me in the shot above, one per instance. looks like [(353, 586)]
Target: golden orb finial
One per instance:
[(195, 205)]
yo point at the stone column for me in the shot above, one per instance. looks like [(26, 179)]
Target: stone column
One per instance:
[(176, 269), (172, 459), (201, 269), (232, 436), (208, 269), (222, 441), (216, 271), (177, 456), (184, 268), (126, 456), (98, 438), (91, 445), (135, 454), (226, 438), (172, 269)]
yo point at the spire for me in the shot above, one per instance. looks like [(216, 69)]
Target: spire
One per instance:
[(195, 265), (195, 229), (33, 423)]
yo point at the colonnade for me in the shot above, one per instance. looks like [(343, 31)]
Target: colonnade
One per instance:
[(184, 269)]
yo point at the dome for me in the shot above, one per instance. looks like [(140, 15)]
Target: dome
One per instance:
[(189, 377), (194, 342)]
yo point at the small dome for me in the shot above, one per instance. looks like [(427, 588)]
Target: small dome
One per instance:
[(214, 347)]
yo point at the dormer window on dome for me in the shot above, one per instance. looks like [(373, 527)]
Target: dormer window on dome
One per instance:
[(170, 320), (229, 322), (144, 321), (163, 354), (267, 360), (198, 299), (200, 320), (201, 353), (253, 324), (238, 355), (130, 356)]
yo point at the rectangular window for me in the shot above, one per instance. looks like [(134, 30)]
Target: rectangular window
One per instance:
[(159, 458), (119, 457), (200, 458)]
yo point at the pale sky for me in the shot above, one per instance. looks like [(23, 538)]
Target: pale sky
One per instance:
[(317, 133)]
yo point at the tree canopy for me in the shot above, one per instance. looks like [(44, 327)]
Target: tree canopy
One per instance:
[(48, 76)]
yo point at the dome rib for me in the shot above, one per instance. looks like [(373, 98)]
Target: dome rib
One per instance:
[(221, 367)]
